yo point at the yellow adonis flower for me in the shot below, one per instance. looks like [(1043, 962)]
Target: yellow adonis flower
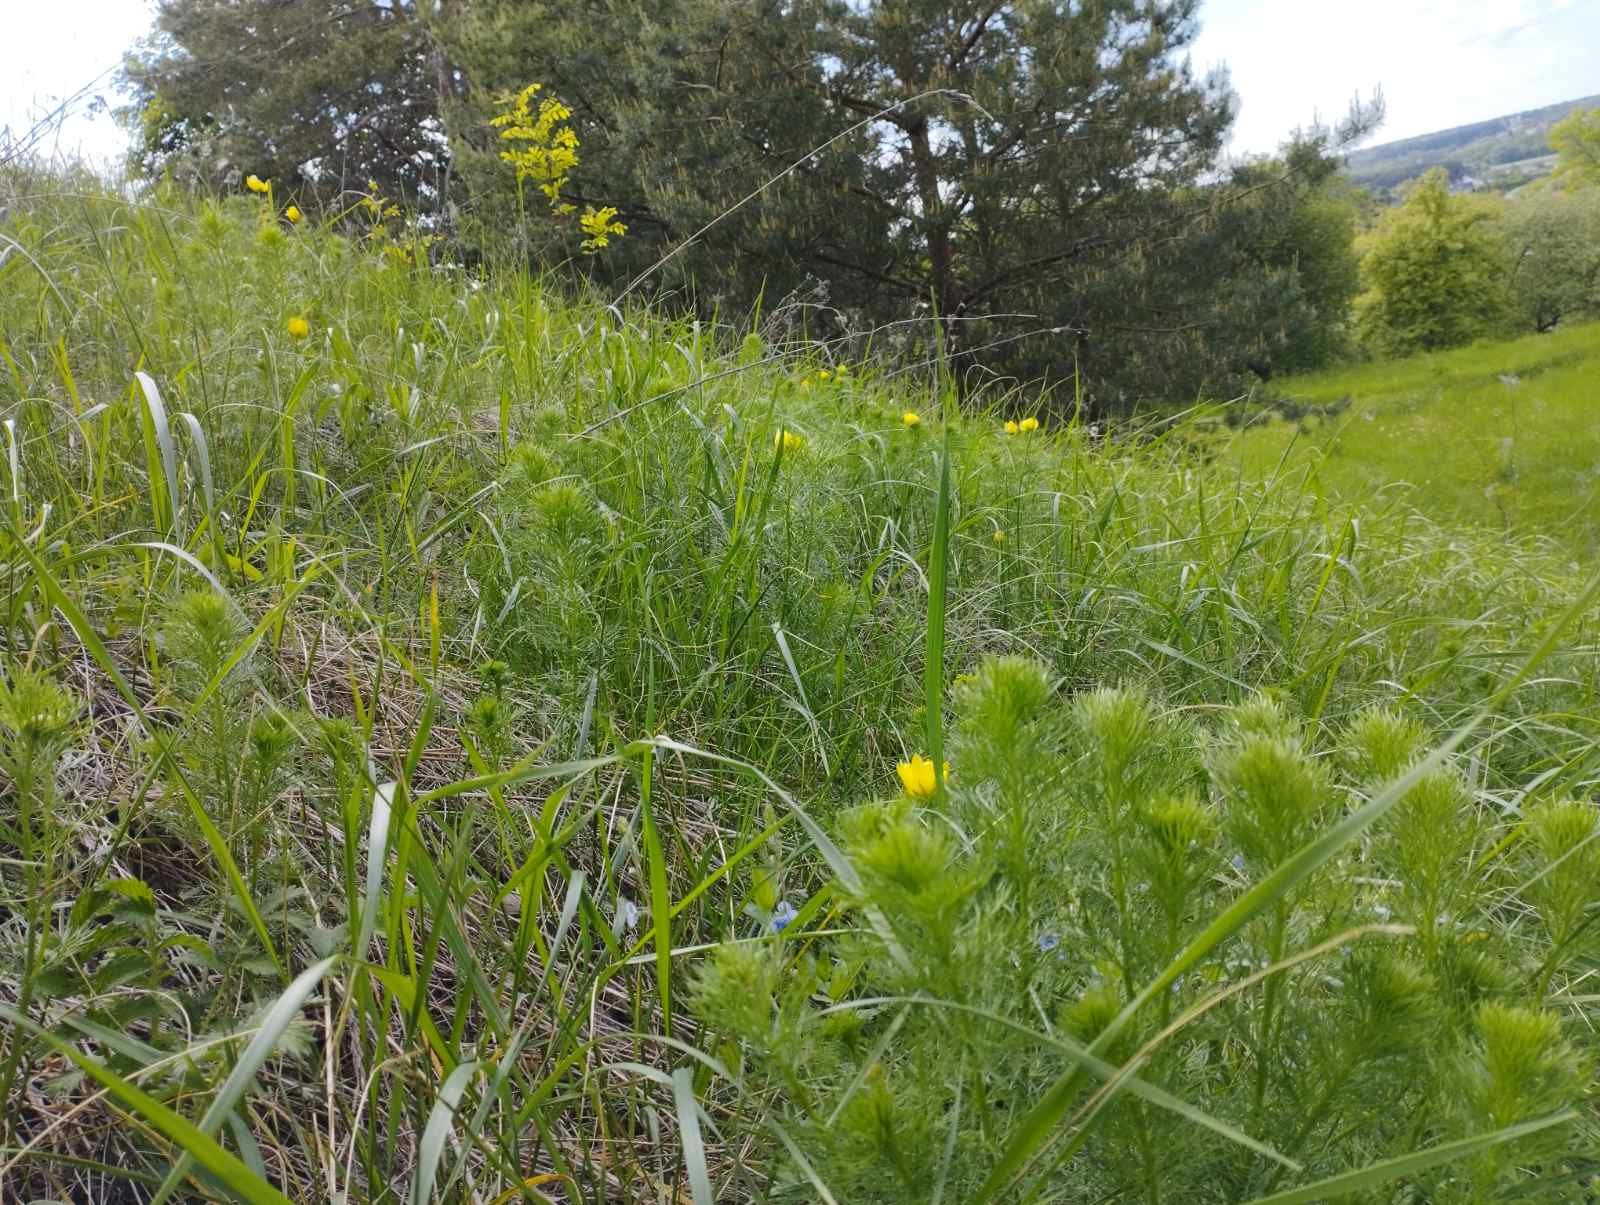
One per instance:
[(1011, 427), (256, 184), (999, 536), (917, 776), (788, 441), (910, 418), (299, 328), (1029, 424), (293, 213)]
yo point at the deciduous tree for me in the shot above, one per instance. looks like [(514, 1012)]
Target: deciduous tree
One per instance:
[(1435, 273), (1576, 141), (1552, 242)]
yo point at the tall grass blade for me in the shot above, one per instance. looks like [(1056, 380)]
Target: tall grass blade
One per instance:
[(434, 1135), (159, 452), (1406, 1165), (14, 460), (933, 655), (278, 1018), (694, 1147), (202, 452), (377, 855)]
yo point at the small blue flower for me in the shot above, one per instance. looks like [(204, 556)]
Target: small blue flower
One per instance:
[(1048, 942), (1238, 863), (782, 915), (628, 914)]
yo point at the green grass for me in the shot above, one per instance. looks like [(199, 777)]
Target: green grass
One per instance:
[(413, 737), (1502, 436)]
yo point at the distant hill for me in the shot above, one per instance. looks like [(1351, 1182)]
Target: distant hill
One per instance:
[(1500, 154)]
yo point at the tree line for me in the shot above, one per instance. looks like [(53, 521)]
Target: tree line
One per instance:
[(1442, 269), (1031, 192)]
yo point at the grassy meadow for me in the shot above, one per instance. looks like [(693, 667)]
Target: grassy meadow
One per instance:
[(1503, 436), (472, 750)]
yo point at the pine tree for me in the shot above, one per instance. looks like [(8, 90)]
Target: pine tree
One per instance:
[(314, 94), (1029, 173)]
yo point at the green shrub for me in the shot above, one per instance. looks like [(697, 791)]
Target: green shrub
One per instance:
[(1083, 843)]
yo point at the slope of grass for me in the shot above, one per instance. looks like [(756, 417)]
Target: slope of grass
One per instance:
[(451, 755), (1502, 436)]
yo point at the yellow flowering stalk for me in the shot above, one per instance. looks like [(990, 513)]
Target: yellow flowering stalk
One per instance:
[(298, 327), (293, 213), (788, 441), (552, 145), (999, 536), (910, 419), (1011, 427), (1029, 424), (545, 150), (598, 224), (918, 778)]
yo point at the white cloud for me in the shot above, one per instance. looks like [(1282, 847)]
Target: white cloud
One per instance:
[(48, 51), (1440, 63)]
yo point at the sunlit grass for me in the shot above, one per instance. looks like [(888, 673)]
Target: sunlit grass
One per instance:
[(1504, 436), (400, 714)]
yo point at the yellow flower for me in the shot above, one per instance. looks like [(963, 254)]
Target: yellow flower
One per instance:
[(999, 536), (299, 328), (256, 184), (1011, 427), (292, 213), (1029, 424), (917, 776), (910, 418), (788, 441), (822, 374)]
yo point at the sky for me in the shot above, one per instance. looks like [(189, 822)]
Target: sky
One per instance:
[(1440, 63), (51, 48)]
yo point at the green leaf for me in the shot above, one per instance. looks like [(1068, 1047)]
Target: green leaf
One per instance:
[(434, 1134)]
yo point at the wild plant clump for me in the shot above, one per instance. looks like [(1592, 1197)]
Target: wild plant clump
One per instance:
[(1410, 992)]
